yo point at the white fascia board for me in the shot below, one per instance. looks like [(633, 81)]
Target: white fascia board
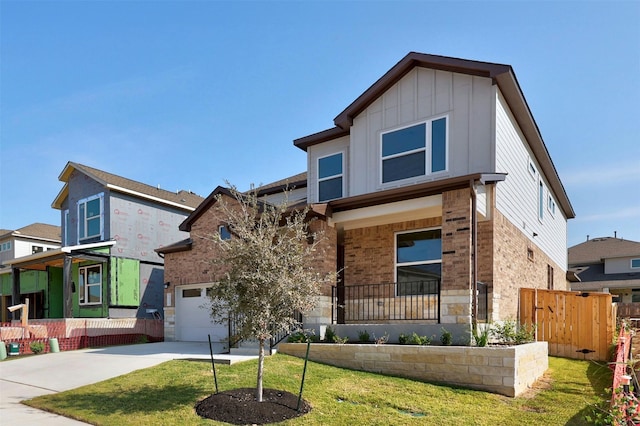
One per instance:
[(69, 249), (149, 197), (398, 211)]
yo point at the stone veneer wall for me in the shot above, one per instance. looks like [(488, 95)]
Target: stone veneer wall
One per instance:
[(507, 370)]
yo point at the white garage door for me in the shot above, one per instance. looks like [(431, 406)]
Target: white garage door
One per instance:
[(193, 321)]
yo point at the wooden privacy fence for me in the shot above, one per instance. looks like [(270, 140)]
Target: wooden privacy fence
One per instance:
[(576, 325)]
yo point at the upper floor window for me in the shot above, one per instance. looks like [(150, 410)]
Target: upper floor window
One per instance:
[(635, 263), (90, 217), (36, 249), (6, 246), (418, 262), (67, 229), (551, 205), (90, 278), (330, 177), (414, 151), (540, 200)]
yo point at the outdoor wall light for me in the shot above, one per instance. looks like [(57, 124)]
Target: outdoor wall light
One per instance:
[(167, 284)]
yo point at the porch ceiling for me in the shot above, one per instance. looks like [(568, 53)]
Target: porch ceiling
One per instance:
[(399, 211)]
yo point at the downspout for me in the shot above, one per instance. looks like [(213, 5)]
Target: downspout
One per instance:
[(474, 257)]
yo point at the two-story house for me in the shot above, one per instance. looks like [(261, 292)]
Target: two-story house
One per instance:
[(107, 266), (438, 197), (609, 265), (30, 239)]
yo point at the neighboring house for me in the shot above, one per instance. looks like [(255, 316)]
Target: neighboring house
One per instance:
[(106, 266), (31, 239), (609, 265), (438, 197)]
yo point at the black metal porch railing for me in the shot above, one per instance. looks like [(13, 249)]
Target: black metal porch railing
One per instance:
[(235, 339), (371, 303)]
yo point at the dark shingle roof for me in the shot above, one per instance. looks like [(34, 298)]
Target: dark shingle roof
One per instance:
[(119, 183), (596, 249)]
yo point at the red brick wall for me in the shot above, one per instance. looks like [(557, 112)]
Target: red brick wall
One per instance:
[(369, 252)]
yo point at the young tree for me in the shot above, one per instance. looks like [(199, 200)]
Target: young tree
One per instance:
[(268, 267)]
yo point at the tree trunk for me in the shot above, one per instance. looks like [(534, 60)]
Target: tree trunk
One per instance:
[(260, 367)]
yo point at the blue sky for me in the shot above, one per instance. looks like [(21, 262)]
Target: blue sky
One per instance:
[(186, 95)]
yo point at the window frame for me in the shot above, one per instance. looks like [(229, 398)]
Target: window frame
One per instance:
[(413, 263), (84, 288), (226, 236), (551, 203), (541, 200), (84, 222), (427, 149), (340, 175), (632, 261)]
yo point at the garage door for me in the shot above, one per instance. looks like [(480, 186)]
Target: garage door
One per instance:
[(193, 322)]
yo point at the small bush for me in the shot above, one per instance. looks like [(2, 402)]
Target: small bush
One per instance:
[(446, 338), (511, 332), (381, 340), (413, 339), (363, 336), (340, 340), (37, 347), (297, 337), (481, 337), (329, 335)]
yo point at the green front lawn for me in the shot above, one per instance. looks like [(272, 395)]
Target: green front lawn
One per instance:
[(166, 395)]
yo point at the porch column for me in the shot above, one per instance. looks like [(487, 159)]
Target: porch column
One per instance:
[(15, 292), (67, 288), (455, 293)]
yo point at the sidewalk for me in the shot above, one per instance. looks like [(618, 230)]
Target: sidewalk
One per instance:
[(32, 376)]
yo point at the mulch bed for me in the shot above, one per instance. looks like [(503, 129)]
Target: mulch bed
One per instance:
[(239, 407)]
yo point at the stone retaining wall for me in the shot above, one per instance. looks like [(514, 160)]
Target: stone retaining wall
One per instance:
[(507, 370)]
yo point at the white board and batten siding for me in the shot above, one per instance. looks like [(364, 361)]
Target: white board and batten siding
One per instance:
[(517, 197), (421, 95)]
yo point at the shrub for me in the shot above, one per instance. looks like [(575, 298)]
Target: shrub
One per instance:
[(36, 347), (363, 336), (340, 340), (329, 335), (446, 338), (381, 340), (482, 337), (512, 333), (413, 339), (297, 337)]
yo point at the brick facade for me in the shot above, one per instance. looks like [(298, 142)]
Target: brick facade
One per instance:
[(517, 262)]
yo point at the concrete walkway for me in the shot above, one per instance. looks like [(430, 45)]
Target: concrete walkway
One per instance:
[(32, 376)]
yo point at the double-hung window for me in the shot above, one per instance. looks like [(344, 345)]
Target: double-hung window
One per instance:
[(90, 278), (418, 262), (330, 177), (224, 233), (414, 151), (90, 217)]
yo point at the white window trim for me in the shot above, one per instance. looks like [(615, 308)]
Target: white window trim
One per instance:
[(395, 255), (551, 204), (342, 175), (85, 286), (428, 149), (65, 235), (541, 200), (82, 221), (631, 263), (533, 171), (220, 228)]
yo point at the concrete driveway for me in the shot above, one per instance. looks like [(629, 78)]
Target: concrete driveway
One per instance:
[(32, 376)]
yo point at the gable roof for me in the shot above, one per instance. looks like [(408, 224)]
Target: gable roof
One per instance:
[(182, 199), (292, 182), (597, 249), (36, 231), (500, 74)]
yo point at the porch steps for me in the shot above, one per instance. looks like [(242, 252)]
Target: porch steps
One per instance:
[(250, 347)]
